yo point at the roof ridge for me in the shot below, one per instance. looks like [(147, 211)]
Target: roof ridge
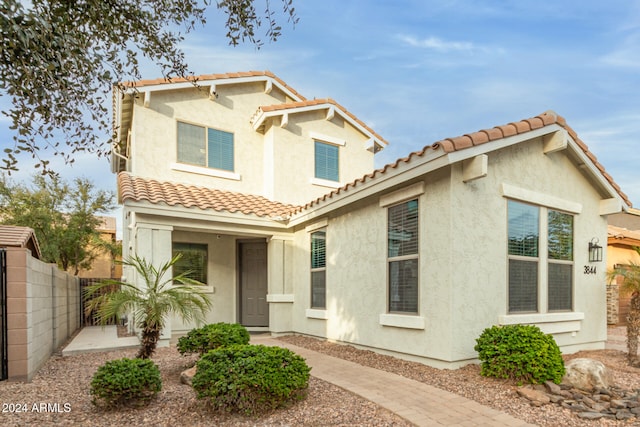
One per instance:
[(218, 76)]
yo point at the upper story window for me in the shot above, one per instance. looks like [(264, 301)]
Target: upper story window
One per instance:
[(402, 257), (202, 146), (326, 161), (193, 261), (540, 259), (318, 269)]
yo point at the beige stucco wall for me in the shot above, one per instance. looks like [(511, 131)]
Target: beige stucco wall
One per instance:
[(463, 263), (277, 164)]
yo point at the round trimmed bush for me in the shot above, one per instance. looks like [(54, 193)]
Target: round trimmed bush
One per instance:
[(251, 378), (520, 352), (126, 381), (210, 337)]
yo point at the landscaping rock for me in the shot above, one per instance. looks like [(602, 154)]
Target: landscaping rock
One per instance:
[(587, 375), (536, 397), (608, 403), (186, 377)]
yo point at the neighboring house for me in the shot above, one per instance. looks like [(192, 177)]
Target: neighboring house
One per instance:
[(104, 265), (624, 238), (274, 202)]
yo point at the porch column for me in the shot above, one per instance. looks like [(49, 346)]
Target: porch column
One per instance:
[(280, 296), (153, 243)]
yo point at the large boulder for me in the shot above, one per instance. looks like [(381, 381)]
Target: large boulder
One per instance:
[(587, 374)]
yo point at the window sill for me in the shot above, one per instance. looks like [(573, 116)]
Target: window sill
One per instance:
[(326, 183), (549, 323), (314, 313), (205, 171), (402, 321)]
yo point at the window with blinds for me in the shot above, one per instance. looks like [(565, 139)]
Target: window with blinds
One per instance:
[(560, 280), (538, 235), (201, 146), (193, 261), (402, 255), (318, 269), (326, 161)]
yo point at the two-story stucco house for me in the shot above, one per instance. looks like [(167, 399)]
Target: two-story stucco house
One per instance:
[(274, 201)]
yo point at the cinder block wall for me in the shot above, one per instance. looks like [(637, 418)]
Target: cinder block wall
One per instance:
[(43, 311)]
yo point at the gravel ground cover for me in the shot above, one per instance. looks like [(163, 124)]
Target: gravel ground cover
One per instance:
[(59, 394), (467, 381)]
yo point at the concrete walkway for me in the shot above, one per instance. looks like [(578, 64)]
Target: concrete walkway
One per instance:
[(98, 338)]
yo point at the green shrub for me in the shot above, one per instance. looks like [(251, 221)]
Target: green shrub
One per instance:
[(213, 336), (520, 352), (126, 381), (251, 378)]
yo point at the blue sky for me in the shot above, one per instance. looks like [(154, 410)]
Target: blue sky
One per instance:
[(420, 71)]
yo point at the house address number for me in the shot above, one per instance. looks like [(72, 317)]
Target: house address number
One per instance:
[(589, 269)]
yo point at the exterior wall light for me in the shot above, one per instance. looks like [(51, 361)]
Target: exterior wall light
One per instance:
[(595, 250)]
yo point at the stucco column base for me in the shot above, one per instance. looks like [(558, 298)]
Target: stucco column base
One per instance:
[(280, 309)]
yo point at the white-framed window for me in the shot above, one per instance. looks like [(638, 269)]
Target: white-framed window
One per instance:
[(193, 260), (540, 252), (206, 147), (402, 257), (319, 269), (327, 161)]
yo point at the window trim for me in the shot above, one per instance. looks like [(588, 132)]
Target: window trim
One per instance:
[(207, 288), (322, 180), (400, 258), (317, 270), (190, 167), (543, 261)]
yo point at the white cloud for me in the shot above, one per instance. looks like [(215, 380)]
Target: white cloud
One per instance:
[(445, 46)]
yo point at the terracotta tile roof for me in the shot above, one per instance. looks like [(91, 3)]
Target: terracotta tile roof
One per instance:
[(620, 233), (140, 189), (19, 237), (449, 145), (312, 102), (222, 76)]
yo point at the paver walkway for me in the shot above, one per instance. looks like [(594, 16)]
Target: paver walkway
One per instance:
[(414, 401)]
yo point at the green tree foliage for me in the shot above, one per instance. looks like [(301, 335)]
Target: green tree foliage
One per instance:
[(63, 216), (58, 60), (150, 302), (630, 285)]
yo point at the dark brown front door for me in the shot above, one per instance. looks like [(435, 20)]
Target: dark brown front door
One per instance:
[(254, 309)]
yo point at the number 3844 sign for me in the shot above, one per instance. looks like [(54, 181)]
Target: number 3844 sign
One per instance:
[(589, 269)]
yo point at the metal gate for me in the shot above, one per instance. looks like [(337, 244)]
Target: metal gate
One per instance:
[(88, 318), (4, 356)]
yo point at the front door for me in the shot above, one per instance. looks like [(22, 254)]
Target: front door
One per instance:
[(254, 309)]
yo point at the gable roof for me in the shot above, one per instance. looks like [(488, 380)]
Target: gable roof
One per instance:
[(623, 236), (257, 121), (465, 142), (138, 189), (19, 237), (222, 78)]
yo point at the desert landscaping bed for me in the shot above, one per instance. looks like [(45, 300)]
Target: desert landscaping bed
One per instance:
[(59, 394)]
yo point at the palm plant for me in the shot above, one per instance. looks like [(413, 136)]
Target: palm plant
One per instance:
[(151, 303), (630, 285)]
